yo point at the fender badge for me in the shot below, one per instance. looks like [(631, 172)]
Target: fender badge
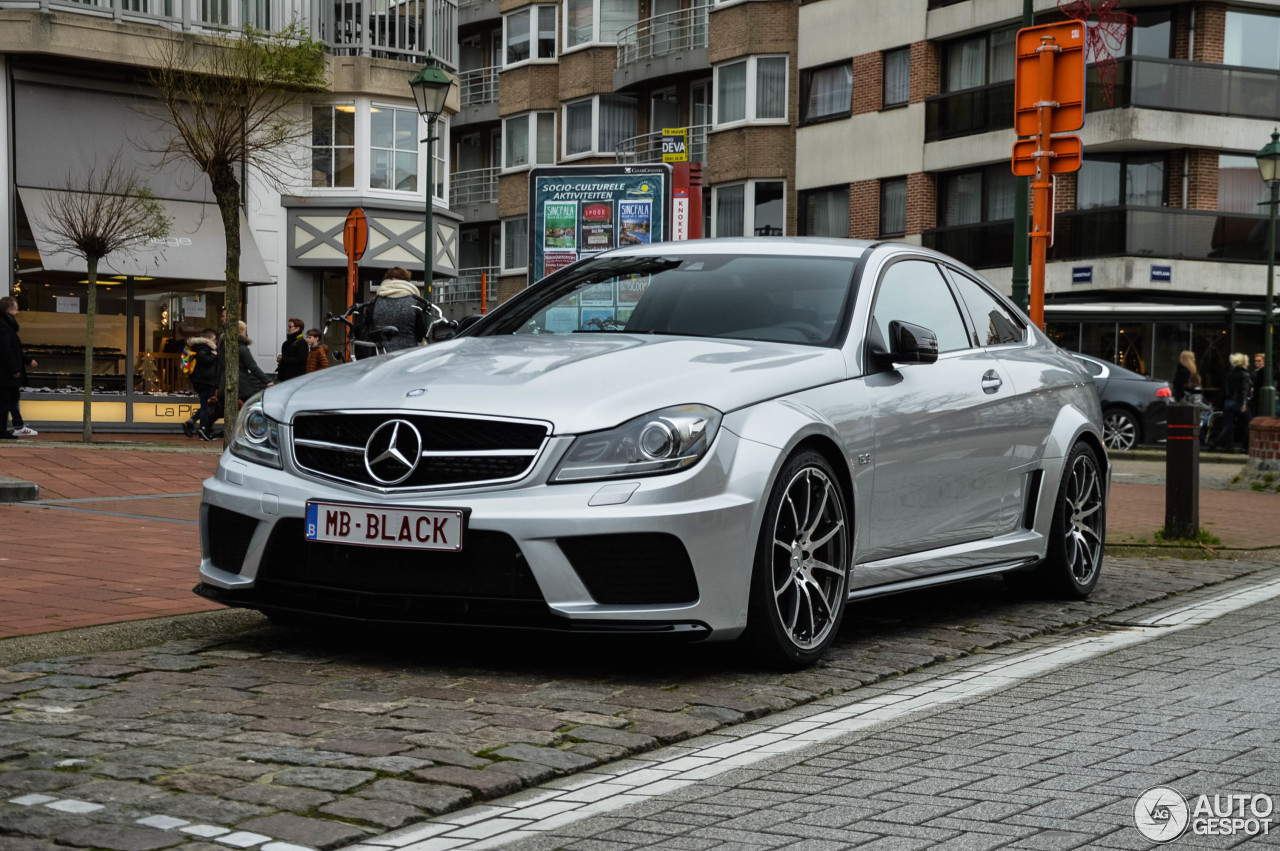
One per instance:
[(417, 391)]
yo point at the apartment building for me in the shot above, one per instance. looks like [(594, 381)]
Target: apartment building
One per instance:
[(74, 95), (893, 119)]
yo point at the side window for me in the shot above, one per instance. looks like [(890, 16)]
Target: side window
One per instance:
[(1095, 369), (994, 323), (915, 291)]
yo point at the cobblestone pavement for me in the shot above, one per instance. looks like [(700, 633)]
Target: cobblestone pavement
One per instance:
[(279, 740), (1056, 762)]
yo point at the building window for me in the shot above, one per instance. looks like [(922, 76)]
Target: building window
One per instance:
[(824, 212), (753, 89), (1132, 180), (893, 206), (980, 60), (826, 92), (897, 77), (522, 148), (757, 207), (529, 34), (1240, 185), (393, 148), (1252, 40), (1152, 34), (597, 21), (515, 245), (333, 145), (980, 195), (598, 124)]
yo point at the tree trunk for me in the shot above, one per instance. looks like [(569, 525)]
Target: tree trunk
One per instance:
[(91, 312), (226, 189)]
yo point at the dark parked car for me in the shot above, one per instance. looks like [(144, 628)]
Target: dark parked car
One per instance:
[(1135, 409)]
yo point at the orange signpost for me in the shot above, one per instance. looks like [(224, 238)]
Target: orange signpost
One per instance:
[(1048, 98), (355, 239)]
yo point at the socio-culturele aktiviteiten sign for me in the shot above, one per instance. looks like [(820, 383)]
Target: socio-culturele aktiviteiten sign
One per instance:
[(579, 211)]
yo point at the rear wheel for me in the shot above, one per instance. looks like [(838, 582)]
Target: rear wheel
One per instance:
[(800, 577), (1077, 533), (1120, 429)]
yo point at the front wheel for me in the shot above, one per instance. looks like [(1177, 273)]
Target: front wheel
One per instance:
[(1077, 533), (799, 580), (1120, 429)]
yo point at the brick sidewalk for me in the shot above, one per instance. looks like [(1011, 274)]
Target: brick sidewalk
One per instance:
[(127, 546)]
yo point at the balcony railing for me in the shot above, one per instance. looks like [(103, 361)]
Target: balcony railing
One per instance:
[(1145, 82), (394, 29), (670, 32), (466, 287), (479, 86), (478, 186), (1118, 232), (408, 30), (648, 148)]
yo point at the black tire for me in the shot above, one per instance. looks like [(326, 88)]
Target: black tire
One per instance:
[(800, 578), (1077, 534), (1120, 429)]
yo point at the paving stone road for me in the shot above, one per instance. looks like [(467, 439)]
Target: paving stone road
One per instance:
[(280, 740)]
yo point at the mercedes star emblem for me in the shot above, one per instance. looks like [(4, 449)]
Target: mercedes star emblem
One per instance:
[(392, 453)]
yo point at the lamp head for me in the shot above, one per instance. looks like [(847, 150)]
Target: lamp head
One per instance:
[(1269, 160), (431, 86)]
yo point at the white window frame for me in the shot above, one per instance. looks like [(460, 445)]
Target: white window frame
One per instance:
[(363, 107), (534, 14), (753, 74), (595, 39), (594, 150), (748, 204), (502, 252), (419, 127), (532, 153), (354, 147)]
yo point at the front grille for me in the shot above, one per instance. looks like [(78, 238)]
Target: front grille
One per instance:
[(455, 450), (650, 568), (229, 536)]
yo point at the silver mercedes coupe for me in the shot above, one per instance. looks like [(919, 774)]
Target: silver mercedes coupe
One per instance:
[(715, 439)]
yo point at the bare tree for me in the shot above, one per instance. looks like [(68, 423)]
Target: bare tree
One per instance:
[(107, 210), (228, 101)]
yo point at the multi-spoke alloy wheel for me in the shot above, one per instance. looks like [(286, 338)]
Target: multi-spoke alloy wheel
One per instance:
[(1119, 429), (800, 582), (1076, 536)]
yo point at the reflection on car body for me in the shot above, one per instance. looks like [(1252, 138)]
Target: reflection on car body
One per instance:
[(710, 439)]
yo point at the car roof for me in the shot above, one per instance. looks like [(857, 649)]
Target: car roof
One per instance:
[(786, 246)]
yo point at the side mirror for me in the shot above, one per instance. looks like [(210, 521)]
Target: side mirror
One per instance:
[(467, 321), (911, 343)]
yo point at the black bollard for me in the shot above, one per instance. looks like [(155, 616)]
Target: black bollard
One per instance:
[(1182, 473)]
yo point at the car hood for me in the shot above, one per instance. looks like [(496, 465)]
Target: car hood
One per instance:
[(578, 383)]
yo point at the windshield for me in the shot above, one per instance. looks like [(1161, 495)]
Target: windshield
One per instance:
[(778, 299)]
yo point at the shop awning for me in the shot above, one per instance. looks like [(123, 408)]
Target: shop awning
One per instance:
[(195, 250)]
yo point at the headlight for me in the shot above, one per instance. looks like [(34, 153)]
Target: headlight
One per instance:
[(661, 442), (257, 436)]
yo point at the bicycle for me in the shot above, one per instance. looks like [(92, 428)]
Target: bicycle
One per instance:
[(376, 339)]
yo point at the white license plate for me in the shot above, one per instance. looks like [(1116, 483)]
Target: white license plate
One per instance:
[(399, 528)]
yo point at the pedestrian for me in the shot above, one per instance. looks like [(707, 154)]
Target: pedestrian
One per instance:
[(204, 380), (398, 303), (252, 379), (1235, 403), (1258, 377), (293, 355), (13, 371), (1186, 378), (318, 352)]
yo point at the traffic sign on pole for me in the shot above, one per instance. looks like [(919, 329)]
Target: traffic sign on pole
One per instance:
[(1065, 155), (1067, 88)]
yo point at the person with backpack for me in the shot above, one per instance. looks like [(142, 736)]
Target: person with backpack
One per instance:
[(200, 363), (397, 303)]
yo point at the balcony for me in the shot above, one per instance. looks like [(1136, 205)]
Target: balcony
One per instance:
[(408, 30), (478, 86), (210, 16), (662, 45), (648, 148), (1143, 82), (467, 285), (475, 188), (1117, 232)]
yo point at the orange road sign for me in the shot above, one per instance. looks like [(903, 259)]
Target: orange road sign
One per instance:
[(1067, 40), (1065, 154), (355, 234)]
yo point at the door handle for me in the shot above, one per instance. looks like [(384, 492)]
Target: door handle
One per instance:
[(991, 381)]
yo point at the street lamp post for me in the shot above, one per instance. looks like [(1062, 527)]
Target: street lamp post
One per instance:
[(1269, 164), (431, 87)]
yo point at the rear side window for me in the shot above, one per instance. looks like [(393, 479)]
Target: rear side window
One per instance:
[(1095, 369), (994, 324), (914, 291)]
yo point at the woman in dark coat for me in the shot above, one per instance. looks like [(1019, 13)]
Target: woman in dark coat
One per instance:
[(13, 371), (252, 378)]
